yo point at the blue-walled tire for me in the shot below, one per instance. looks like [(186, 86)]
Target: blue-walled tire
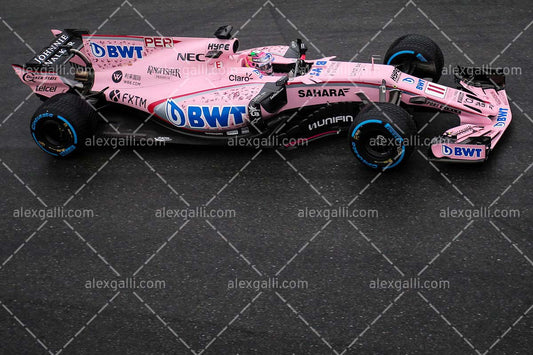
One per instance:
[(410, 49), (382, 136), (62, 123)]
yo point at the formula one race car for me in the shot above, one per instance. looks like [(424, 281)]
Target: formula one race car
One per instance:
[(206, 91)]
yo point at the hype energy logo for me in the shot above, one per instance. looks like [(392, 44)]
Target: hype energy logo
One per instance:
[(205, 116), (501, 120), (462, 152), (116, 51)]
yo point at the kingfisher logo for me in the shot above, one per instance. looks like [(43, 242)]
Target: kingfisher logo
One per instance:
[(205, 116), (112, 51), (502, 117), (462, 152)]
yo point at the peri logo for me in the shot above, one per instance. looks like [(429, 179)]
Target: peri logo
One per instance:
[(117, 76), (114, 95), (409, 80)]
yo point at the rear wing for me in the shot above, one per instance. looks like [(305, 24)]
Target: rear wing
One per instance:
[(45, 73), (57, 52)]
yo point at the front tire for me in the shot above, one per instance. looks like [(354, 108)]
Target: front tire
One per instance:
[(62, 123), (382, 136), (413, 54)]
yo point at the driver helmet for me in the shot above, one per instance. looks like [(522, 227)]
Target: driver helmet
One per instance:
[(261, 61)]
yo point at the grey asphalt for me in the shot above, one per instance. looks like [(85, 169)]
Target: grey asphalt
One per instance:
[(487, 262)]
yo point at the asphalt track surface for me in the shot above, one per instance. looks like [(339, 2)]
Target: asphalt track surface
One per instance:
[(46, 306)]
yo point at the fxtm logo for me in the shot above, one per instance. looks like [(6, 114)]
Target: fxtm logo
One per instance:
[(117, 76), (502, 117), (461, 151), (420, 84), (113, 51), (126, 98), (205, 116)]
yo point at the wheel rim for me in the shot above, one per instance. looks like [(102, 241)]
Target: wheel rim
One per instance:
[(54, 134), (375, 145)]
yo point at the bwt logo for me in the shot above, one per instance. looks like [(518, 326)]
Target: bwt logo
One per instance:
[(462, 151), (205, 116), (502, 117), (112, 51)]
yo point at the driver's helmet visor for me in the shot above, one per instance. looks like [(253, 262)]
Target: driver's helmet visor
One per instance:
[(263, 63)]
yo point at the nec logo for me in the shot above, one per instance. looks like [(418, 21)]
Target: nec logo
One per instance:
[(205, 116), (112, 51), (462, 151), (191, 57), (502, 117)]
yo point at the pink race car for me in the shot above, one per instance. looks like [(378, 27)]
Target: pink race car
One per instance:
[(206, 91)]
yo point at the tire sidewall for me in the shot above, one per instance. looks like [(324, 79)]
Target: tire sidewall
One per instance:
[(36, 128), (369, 125), (67, 115), (421, 47)]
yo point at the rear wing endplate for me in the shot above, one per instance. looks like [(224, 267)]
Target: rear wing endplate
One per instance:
[(57, 52)]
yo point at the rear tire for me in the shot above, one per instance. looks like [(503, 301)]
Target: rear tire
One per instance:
[(62, 123), (410, 49), (381, 137)]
